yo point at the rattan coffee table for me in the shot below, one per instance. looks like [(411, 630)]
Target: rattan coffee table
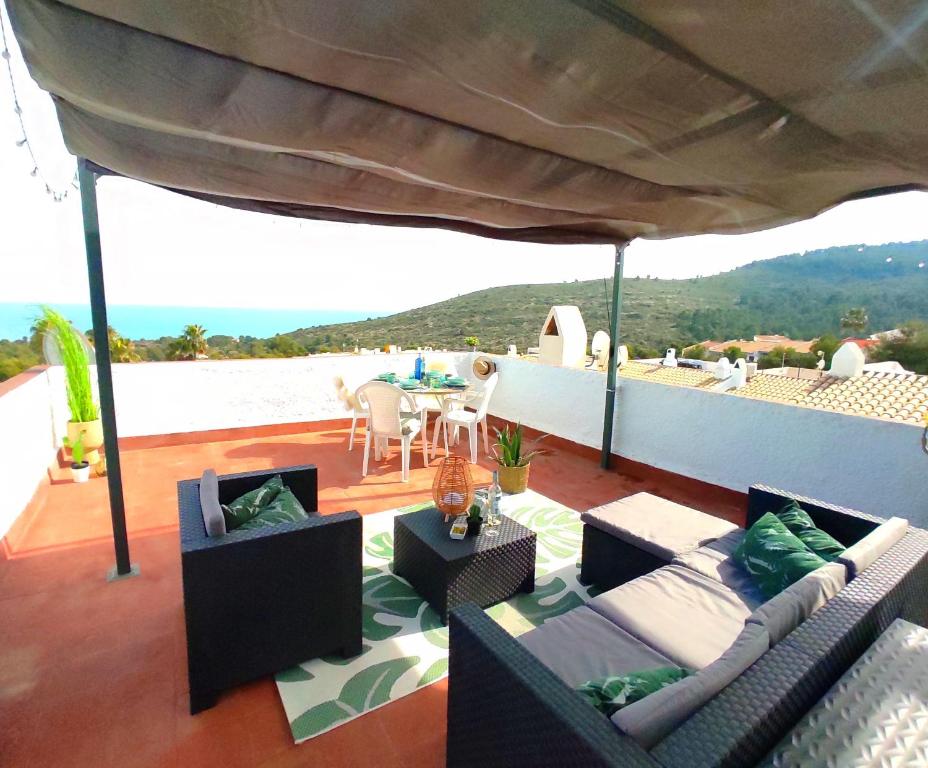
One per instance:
[(478, 569)]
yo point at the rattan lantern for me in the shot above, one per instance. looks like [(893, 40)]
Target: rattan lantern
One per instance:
[(453, 487)]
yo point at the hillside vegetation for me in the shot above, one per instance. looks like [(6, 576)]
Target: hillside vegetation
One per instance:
[(799, 295)]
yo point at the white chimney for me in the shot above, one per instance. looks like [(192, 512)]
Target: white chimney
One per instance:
[(723, 368), (670, 360), (739, 375), (848, 361), (563, 338)]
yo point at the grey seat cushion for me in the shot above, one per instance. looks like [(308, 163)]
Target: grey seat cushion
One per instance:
[(655, 525), (687, 617), (715, 561), (581, 645), (858, 557), (782, 614), (213, 518), (651, 719)]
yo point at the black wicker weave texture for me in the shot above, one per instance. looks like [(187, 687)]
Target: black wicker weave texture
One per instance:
[(507, 709), (447, 572), (257, 602), (607, 561)]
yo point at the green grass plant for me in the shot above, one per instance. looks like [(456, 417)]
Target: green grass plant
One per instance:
[(76, 365)]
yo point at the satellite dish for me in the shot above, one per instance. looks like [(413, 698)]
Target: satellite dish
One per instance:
[(599, 348), (52, 352)]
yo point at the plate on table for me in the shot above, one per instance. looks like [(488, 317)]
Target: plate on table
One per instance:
[(408, 384)]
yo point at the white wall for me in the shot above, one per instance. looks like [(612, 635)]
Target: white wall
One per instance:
[(163, 398), (27, 448), (868, 464)]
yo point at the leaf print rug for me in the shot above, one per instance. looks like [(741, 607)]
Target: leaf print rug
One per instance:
[(405, 646)]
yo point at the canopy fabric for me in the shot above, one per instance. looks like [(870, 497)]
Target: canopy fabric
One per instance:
[(583, 121)]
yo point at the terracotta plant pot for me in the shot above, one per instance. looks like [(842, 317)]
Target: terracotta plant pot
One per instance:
[(80, 473), (514, 479), (93, 437)]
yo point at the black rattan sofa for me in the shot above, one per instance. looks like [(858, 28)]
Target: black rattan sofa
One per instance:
[(507, 709), (257, 602)]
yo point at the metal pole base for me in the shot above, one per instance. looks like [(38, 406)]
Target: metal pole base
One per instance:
[(112, 575)]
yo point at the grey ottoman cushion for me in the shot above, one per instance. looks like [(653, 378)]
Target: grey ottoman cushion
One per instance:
[(581, 645), (658, 526), (858, 557), (209, 504), (651, 719), (783, 613), (687, 617)]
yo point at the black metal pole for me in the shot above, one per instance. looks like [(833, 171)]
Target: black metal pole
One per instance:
[(88, 184), (616, 312)]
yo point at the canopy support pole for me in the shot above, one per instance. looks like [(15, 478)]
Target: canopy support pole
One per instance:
[(614, 325), (88, 185)]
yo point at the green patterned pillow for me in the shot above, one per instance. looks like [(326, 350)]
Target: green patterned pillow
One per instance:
[(798, 521), (774, 556), (248, 505), (609, 694), (285, 508)]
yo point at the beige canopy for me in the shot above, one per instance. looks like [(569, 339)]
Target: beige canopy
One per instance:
[(543, 120)]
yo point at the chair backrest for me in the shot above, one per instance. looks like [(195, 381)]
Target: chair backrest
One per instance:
[(488, 386), (384, 401)]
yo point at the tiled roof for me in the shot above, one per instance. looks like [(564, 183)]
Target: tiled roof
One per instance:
[(892, 396), (760, 344), (683, 377)]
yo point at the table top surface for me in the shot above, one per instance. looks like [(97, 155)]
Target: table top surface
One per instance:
[(429, 526)]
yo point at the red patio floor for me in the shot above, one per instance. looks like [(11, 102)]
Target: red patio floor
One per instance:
[(94, 674)]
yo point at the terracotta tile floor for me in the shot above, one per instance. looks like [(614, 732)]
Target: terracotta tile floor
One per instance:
[(94, 674)]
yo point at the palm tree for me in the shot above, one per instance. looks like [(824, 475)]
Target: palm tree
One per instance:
[(194, 338), (122, 350), (855, 320)]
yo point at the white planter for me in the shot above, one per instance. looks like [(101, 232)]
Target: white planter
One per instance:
[(80, 473)]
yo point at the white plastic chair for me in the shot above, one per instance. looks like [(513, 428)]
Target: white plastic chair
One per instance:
[(352, 404), (457, 417), (389, 421)]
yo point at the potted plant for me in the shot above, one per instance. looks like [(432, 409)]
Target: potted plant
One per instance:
[(472, 342), (80, 469), (514, 466), (474, 520), (70, 352)]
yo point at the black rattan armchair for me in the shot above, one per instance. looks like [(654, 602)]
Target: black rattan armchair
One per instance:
[(260, 601)]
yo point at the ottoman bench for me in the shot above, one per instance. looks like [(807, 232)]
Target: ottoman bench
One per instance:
[(628, 538)]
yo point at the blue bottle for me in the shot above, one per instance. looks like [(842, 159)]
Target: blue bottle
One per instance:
[(419, 364)]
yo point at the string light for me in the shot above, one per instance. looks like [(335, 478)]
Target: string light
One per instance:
[(56, 195)]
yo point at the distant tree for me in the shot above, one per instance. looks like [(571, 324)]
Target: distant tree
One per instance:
[(855, 320), (732, 352), (190, 345), (697, 352), (828, 344), (910, 349), (122, 350), (285, 346)]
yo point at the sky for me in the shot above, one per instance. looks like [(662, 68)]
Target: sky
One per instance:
[(164, 249)]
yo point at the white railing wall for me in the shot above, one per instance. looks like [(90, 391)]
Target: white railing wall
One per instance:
[(169, 397), (873, 465), (28, 445), (727, 440)]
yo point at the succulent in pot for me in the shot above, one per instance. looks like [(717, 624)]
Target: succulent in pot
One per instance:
[(80, 469), (514, 465), (474, 519)]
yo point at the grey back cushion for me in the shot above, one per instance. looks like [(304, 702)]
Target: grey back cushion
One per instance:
[(858, 557), (780, 615), (649, 720), (209, 504)]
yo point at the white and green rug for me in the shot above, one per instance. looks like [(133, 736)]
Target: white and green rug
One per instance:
[(405, 645)]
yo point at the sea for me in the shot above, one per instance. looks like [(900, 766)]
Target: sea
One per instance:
[(153, 322)]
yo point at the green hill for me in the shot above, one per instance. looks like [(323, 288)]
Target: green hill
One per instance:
[(799, 295)]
